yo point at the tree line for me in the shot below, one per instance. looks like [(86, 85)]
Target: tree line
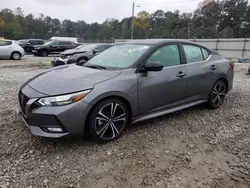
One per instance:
[(211, 19)]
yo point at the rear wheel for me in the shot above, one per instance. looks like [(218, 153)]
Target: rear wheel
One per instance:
[(218, 94), (44, 53), (108, 120), (16, 56)]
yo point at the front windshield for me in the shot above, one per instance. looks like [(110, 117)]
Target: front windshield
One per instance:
[(119, 56), (81, 46), (89, 47), (49, 42)]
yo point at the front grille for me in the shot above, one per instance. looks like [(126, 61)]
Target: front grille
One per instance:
[(23, 99)]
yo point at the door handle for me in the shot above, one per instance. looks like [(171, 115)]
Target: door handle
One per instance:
[(213, 67), (181, 74)]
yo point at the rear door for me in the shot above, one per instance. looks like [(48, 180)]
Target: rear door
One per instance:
[(54, 47), (200, 73), (67, 45), (166, 88), (5, 48)]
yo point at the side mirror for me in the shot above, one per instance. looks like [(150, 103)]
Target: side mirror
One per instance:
[(152, 66), (27, 43), (95, 51)]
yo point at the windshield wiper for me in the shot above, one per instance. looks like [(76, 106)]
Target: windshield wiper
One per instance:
[(96, 67)]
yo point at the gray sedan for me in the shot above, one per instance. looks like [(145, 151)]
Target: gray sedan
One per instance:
[(127, 83)]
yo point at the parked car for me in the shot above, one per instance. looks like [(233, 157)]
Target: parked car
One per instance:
[(81, 55), (52, 47), (29, 45), (125, 84), (70, 52), (10, 49), (77, 41)]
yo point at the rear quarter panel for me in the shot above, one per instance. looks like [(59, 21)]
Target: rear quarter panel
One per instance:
[(224, 70)]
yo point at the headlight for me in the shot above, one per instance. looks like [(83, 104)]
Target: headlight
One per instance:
[(63, 99)]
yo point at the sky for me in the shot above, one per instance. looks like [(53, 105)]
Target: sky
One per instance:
[(96, 10)]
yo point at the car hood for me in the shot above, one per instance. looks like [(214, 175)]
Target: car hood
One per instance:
[(69, 79), (71, 51)]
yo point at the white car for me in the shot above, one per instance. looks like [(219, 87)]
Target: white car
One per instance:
[(10, 49)]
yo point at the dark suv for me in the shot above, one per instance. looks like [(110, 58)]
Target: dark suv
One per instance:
[(29, 45), (53, 47), (81, 54)]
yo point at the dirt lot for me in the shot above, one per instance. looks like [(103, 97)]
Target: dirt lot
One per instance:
[(196, 147)]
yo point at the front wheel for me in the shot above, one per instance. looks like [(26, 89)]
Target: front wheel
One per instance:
[(44, 53), (82, 61), (217, 95), (108, 120)]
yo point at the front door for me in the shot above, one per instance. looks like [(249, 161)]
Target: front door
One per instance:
[(166, 88)]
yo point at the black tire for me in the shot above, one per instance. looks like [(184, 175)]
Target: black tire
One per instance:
[(16, 56), (44, 53), (249, 70), (82, 61), (105, 126), (217, 95)]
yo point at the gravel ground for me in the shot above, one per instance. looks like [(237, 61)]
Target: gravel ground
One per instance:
[(192, 148)]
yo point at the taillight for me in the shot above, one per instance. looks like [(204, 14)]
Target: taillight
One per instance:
[(232, 64)]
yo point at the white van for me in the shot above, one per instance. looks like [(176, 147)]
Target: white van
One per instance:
[(71, 39)]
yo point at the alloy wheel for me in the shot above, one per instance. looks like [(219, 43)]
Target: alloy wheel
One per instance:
[(110, 121), (16, 56), (219, 93)]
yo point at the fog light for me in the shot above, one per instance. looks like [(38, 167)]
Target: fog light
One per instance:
[(58, 130)]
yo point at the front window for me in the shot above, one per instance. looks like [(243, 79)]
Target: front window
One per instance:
[(119, 56)]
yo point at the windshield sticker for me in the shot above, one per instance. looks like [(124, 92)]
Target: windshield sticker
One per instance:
[(138, 49)]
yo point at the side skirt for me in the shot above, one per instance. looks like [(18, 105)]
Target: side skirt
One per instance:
[(167, 111)]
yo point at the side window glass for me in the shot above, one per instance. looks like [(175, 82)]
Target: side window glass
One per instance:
[(62, 43), (168, 56), (2, 43), (205, 53), (193, 53), (55, 43), (32, 42), (69, 44), (39, 42), (8, 43)]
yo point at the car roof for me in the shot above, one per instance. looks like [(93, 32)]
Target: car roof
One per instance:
[(103, 44), (153, 41)]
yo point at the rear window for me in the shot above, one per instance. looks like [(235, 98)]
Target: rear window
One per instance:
[(5, 43), (205, 53), (39, 42), (65, 43), (193, 53)]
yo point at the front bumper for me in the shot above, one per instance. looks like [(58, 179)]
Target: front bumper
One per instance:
[(58, 62), (69, 118), (72, 60), (35, 52)]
